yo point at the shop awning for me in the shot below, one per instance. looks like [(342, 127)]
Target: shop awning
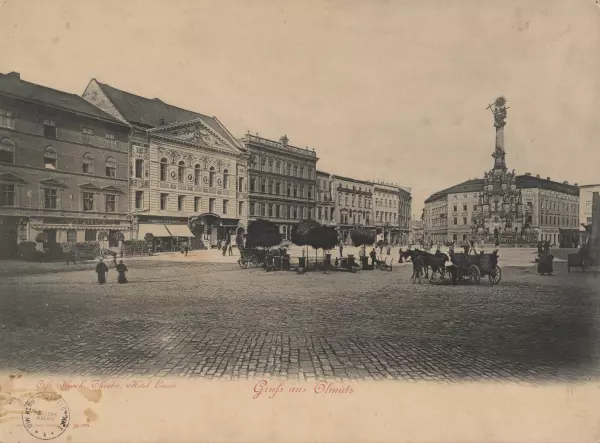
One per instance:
[(154, 229), (180, 231)]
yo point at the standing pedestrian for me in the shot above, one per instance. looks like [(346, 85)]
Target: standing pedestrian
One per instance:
[(101, 270), (224, 249), (230, 249), (121, 269), (417, 268), (341, 250), (389, 250), (186, 249), (373, 255), (381, 248)]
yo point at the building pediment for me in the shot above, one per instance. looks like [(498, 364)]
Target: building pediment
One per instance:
[(195, 132), (112, 189), (52, 183), (8, 177), (90, 186)]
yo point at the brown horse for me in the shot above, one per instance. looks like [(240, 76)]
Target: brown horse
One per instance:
[(437, 263)]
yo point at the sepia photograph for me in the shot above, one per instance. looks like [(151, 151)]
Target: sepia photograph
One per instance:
[(297, 221)]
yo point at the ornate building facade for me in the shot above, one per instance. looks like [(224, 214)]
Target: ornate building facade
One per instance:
[(282, 182), (63, 167), (188, 178), (392, 212)]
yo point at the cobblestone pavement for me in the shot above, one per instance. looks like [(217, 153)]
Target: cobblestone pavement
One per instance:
[(217, 321)]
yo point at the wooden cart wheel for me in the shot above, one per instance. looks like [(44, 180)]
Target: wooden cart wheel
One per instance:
[(474, 274), (242, 263), (253, 261), (496, 275)]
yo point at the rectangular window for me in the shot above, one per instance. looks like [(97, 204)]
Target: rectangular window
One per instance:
[(181, 203), (111, 203), (88, 135), (455, 221), (6, 119), (454, 237), (211, 205), (197, 201), (7, 195), (252, 209), (455, 208), (139, 168), (139, 199), (88, 201), (72, 236), (240, 208), (50, 198), (464, 207), (49, 128), (7, 151), (464, 220), (88, 131), (163, 201), (225, 206), (110, 138), (90, 235)]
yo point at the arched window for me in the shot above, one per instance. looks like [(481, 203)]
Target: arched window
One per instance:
[(7, 151), (211, 177), (295, 170), (278, 165), (88, 163), (301, 171), (289, 190), (263, 186), (310, 192), (50, 158), (278, 188), (295, 190), (197, 174), (272, 187), (181, 171), (289, 169), (111, 167), (163, 169), (252, 184), (226, 179), (241, 184)]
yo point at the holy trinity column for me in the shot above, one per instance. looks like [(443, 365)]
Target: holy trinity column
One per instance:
[(499, 213)]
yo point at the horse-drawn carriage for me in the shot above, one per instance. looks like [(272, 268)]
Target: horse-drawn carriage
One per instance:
[(473, 267), (270, 259)]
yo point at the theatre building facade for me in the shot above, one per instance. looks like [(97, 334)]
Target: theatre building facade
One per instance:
[(187, 172), (63, 173)]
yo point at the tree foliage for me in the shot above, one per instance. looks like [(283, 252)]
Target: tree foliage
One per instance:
[(148, 237), (361, 236), (302, 233), (262, 234), (324, 237)]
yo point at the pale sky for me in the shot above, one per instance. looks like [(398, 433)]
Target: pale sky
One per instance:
[(390, 90)]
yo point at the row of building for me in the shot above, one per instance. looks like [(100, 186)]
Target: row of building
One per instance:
[(110, 161), (508, 207)]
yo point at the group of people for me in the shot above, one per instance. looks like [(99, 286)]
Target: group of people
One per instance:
[(102, 270), (225, 246)]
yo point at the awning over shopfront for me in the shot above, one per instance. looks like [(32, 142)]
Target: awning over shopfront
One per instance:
[(180, 231), (154, 229)]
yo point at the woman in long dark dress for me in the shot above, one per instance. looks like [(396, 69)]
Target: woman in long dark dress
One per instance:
[(121, 269)]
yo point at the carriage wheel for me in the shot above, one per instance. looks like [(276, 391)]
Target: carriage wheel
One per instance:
[(474, 274), (253, 261), (496, 275), (243, 264)]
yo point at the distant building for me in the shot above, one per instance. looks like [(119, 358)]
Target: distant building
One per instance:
[(282, 182), (595, 230), (586, 193), (325, 203), (392, 212), (188, 173), (63, 167), (353, 200)]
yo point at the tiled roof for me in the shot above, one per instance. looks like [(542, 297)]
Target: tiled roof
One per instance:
[(529, 181), (153, 112), (523, 182), (473, 185), (12, 85)]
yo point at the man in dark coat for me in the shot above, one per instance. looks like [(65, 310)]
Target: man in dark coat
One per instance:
[(373, 255), (186, 249), (101, 270)]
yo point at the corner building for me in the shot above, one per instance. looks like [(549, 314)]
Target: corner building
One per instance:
[(63, 167), (282, 180), (187, 171)]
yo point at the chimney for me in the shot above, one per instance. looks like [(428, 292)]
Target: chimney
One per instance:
[(528, 174), (537, 176), (14, 74), (548, 178), (576, 184)]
